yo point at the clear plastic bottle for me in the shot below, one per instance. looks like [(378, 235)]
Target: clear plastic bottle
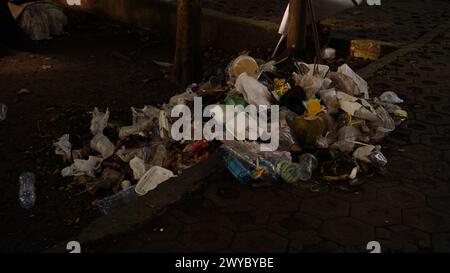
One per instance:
[(27, 192), (307, 163), (296, 172), (235, 167), (115, 201)]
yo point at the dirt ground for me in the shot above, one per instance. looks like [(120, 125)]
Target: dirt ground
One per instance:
[(100, 63)]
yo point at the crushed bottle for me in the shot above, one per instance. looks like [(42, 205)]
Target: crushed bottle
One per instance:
[(235, 167), (118, 200), (27, 191)]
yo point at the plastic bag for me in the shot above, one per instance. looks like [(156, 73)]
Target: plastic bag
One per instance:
[(328, 53), (103, 145), (329, 97), (127, 154), (152, 178), (313, 79), (363, 87), (99, 121), (139, 167), (344, 83), (363, 153), (346, 139), (145, 114), (182, 98), (390, 97), (293, 100), (83, 167), (63, 147), (386, 124), (254, 92)]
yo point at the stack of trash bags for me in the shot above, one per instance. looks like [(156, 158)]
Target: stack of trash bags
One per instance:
[(329, 131)]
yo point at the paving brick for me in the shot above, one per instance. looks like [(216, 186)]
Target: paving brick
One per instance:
[(326, 207), (376, 213), (347, 231), (426, 219), (259, 241)]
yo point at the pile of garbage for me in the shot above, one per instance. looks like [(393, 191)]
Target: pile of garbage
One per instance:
[(329, 131)]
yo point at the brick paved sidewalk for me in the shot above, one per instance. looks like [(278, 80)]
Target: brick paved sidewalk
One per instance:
[(406, 211)]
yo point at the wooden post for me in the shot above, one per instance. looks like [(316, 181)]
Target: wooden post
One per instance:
[(297, 25), (187, 65)]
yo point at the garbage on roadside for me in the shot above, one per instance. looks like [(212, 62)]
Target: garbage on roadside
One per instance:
[(40, 20), (329, 132)]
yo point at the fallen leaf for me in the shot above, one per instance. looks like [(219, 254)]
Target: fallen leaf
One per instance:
[(23, 91)]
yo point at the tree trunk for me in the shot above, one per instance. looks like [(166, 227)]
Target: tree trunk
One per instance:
[(297, 25), (187, 67)]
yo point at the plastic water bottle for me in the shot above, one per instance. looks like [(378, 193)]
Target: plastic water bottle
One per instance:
[(235, 167), (307, 163), (296, 172), (27, 193), (115, 201)]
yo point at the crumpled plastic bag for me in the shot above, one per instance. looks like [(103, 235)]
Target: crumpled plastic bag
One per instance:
[(83, 167), (128, 154), (390, 97), (363, 153), (386, 124), (313, 79), (103, 145), (329, 97), (143, 121), (63, 147), (142, 115), (328, 53), (347, 136), (138, 166), (253, 91), (3, 111), (182, 98), (99, 121), (362, 85)]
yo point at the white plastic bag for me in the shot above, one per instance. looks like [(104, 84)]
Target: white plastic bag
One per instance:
[(328, 53), (254, 92), (63, 147), (390, 97), (99, 121), (360, 82), (152, 178), (83, 167), (138, 167)]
